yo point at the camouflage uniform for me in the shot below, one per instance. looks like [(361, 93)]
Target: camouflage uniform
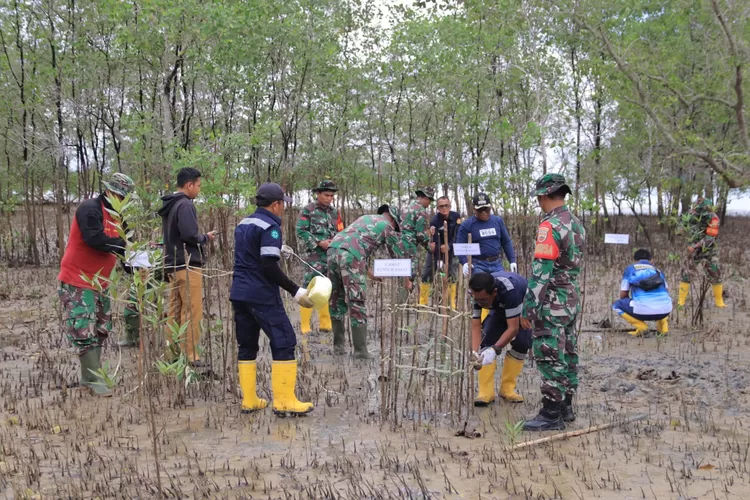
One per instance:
[(701, 225), (415, 226), (317, 223), (348, 257), (87, 313), (552, 299)]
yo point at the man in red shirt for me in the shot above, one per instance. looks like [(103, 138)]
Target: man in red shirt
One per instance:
[(91, 252)]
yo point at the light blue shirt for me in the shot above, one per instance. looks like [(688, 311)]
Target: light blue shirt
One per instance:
[(646, 302)]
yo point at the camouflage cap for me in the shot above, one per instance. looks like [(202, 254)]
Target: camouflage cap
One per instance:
[(120, 184), (326, 186), (550, 183), (427, 192), (393, 210), (703, 205)]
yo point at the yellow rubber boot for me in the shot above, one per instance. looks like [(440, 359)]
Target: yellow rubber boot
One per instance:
[(305, 314), (486, 385), (719, 295), (511, 370), (662, 326), (684, 291), (424, 294), (454, 291), (283, 383), (324, 316), (485, 313), (640, 326), (250, 400)]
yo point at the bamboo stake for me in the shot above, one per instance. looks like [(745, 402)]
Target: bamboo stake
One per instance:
[(579, 432)]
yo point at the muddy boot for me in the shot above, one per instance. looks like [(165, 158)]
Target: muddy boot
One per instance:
[(305, 315), (683, 294), (640, 326), (718, 290), (339, 337), (567, 410), (511, 370), (549, 418), (486, 384), (324, 319), (424, 294), (248, 371), (359, 339), (132, 331), (283, 383), (91, 362)]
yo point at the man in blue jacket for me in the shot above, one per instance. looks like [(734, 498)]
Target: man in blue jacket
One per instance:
[(257, 304), (490, 232), (644, 295)]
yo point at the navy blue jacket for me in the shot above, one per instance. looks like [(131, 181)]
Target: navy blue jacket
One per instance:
[(511, 290), (437, 223), (492, 237)]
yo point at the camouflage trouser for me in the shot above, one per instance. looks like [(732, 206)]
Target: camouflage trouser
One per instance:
[(87, 316), (708, 260), (555, 347), (348, 277), (318, 260)]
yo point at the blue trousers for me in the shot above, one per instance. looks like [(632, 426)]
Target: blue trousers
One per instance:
[(494, 326), (250, 318), (623, 306), (484, 266)]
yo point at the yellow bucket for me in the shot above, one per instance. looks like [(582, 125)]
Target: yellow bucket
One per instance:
[(319, 291)]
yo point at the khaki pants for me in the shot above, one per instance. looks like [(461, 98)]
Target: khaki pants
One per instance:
[(186, 305)]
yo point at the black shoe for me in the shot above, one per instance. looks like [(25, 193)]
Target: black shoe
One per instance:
[(567, 411), (549, 418)]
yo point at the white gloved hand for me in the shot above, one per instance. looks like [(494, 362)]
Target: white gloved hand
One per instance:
[(302, 299), (487, 356), (440, 264), (466, 269), (513, 267), (286, 251)]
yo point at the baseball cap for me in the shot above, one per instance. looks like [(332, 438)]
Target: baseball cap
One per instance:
[(271, 192), (481, 200)]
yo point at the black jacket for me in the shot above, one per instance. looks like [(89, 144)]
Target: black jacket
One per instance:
[(179, 221), (437, 223), (91, 224)]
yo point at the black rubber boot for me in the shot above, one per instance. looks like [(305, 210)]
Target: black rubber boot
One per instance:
[(132, 331), (567, 411), (359, 339), (339, 337), (549, 418)]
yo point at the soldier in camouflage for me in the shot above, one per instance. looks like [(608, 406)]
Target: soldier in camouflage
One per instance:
[(348, 257), (701, 225), (415, 228), (552, 304), (317, 224)]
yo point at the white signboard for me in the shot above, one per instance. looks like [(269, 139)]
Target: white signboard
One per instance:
[(386, 268), (139, 260), (617, 239), (466, 249)]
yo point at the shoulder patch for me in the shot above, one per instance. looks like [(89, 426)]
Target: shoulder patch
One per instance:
[(713, 227), (546, 247), (275, 234)]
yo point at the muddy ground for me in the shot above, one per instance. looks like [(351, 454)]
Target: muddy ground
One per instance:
[(59, 442)]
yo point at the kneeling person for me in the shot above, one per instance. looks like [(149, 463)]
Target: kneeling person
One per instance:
[(644, 295), (502, 293)]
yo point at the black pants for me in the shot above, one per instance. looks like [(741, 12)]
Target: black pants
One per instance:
[(250, 318), (427, 269), (494, 326)]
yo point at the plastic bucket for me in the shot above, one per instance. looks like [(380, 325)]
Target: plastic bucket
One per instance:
[(319, 291)]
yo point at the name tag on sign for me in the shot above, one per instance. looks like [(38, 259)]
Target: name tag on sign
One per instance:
[(487, 232), (466, 249), (617, 239), (389, 268)]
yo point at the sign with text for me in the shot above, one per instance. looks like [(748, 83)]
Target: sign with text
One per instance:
[(466, 249), (388, 268), (617, 239)]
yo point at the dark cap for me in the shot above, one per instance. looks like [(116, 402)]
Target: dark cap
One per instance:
[(393, 211), (550, 183), (271, 192), (427, 192), (481, 200), (326, 186)]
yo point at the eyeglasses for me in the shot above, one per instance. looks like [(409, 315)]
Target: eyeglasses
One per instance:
[(443, 206)]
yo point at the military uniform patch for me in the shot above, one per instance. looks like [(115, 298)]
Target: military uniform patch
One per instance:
[(713, 227), (546, 246)]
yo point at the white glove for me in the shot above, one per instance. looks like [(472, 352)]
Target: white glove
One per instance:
[(487, 356), (466, 269), (302, 299), (440, 264), (513, 267), (286, 251)]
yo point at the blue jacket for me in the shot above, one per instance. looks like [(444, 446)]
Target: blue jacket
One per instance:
[(492, 237), (256, 236), (511, 290), (646, 302)]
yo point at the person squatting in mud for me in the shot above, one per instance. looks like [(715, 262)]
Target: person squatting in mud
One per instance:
[(502, 293)]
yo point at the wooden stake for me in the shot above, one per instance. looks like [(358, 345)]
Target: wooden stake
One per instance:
[(579, 432)]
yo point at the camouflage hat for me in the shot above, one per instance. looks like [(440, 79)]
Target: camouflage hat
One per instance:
[(120, 184), (427, 192), (326, 186), (703, 205), (394, 211), (481, 200), (550, 183)]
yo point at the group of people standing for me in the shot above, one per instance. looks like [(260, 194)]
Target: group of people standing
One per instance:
[(537, 314)]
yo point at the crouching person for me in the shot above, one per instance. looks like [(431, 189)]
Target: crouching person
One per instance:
[(501, 293), (644, 295)]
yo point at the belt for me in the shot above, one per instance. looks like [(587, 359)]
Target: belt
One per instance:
[(488, 259)]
